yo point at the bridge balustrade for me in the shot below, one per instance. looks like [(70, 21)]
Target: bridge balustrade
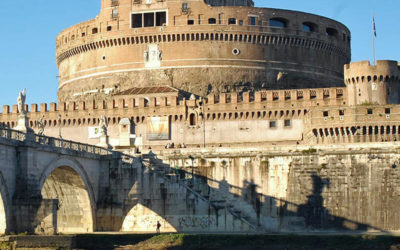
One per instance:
[(16, 135)]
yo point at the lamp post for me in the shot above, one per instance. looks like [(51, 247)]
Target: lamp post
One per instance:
[(192, 159), (59, 126)]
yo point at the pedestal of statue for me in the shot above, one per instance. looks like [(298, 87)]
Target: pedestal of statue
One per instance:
[(23, 124), (104, 142)]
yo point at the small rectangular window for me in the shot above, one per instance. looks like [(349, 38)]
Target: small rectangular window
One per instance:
[(240, 22), (288, 123), (253, 20), (114, 13), (161, 18), (109, 28), (326, 113), (137, 21), (232, 21), (387, 111), (190, 22), (148, 20), (272, 124), (370, 112), (341, 112)]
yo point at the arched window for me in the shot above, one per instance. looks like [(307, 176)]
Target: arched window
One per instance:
[(309, 27), (212, 21), (192, 119), (331, 32), (278, 22)]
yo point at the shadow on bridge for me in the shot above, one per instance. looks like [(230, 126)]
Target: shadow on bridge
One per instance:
[(261, 212)]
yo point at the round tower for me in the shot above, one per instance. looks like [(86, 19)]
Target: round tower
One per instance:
[(372, 84), (200, 47)]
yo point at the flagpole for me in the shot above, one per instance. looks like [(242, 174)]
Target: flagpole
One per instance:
[(373, 37)]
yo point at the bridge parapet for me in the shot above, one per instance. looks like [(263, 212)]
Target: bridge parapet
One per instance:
[(16, 135)]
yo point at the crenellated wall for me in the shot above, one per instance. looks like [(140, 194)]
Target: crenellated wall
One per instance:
[(216, 117), (373, 84), (352, 124)]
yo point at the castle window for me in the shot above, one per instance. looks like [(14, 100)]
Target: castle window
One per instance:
[(326, 113), (83, 34), (278, 22), (331, 32), (137, 20), (341, 112), (240, 22), (161, 18), (190, 22), (192, 119), (309, 27), (109, 28), (252, 20), (148, 19), (232, 21), (387, 111), (185, 7), (95, 31), (370, 112), (272, 124), (114, 14), (212, 21), (288, 123)]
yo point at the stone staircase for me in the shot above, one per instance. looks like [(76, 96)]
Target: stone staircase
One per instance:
[(236, 206)]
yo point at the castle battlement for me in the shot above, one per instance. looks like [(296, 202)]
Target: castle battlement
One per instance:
[(268, 104), (353, 124), (373, 84), (384, 70)]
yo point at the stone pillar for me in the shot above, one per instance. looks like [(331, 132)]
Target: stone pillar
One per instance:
[(30, 212)]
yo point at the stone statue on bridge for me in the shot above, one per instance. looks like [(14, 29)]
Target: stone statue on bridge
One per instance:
[(22, 122), (40, 125), (103, 124), (103, 132), (21, 102)]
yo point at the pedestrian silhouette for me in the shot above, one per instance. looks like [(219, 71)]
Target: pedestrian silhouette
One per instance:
[(158, 227)]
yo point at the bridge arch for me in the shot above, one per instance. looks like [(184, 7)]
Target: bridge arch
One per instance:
[(67, 181)]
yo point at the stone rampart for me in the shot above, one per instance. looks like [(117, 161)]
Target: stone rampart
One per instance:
[(231, 106), (299, 189)]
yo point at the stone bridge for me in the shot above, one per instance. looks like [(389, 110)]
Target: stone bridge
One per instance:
[(50, 185)]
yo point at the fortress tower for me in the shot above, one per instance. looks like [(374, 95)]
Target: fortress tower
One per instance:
[(199, 46), (373, 84)]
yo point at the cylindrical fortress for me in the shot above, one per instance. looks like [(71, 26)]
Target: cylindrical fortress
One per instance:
[(199, 48), (373, 84)]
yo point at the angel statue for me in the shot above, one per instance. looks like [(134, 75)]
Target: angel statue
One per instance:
[(41, 126), (103, 125), (21, 102)]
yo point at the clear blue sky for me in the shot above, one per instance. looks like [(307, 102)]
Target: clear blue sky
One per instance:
[(29, 29)]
